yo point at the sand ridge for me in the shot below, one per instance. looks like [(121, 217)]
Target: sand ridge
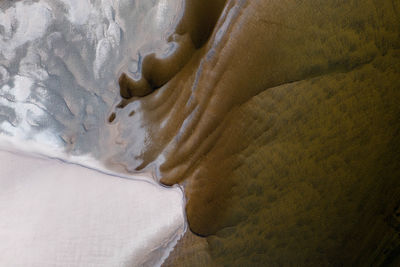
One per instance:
[(282, 127)]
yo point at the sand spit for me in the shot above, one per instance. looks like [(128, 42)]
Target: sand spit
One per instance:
[(283, 126), (54, 213)]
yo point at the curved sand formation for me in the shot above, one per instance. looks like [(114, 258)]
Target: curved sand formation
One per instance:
[(196, 25), (283, 127)]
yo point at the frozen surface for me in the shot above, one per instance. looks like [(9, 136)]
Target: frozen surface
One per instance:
[(58, 214), (60, 60), (59, 64)]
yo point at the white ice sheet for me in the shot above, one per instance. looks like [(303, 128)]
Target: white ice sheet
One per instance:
[(58, 214)]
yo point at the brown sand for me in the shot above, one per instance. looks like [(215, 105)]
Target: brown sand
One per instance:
[(284, 129), (192, 33)]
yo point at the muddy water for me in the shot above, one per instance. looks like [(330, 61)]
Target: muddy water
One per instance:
[(282, 123)]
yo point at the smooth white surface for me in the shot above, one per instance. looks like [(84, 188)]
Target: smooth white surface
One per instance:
[(58, 214)]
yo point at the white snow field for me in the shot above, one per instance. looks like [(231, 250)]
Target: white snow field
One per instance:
[(54, 213)]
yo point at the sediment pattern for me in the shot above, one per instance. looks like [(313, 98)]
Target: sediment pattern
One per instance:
[(283, 126)]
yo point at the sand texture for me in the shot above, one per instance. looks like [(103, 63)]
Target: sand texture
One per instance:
[(284, 129)]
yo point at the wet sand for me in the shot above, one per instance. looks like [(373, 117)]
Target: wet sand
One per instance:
[(283, 127)]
